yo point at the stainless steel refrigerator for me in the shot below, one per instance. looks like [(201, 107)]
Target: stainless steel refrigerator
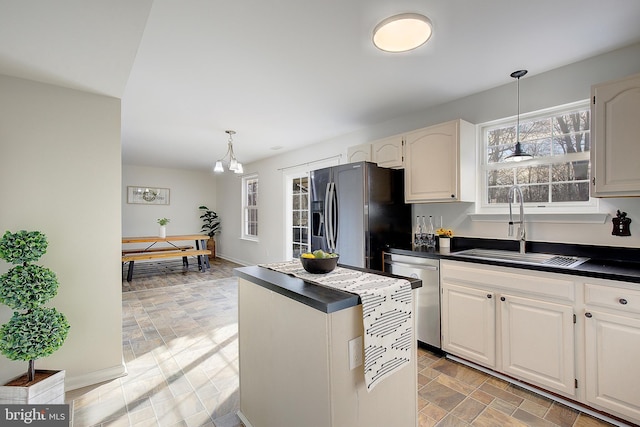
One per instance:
[(358, 210)]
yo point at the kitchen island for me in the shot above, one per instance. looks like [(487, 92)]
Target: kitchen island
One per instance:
[(301, 358)]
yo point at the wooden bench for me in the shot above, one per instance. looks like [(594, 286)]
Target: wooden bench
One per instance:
[(159, 249), (162, 253)]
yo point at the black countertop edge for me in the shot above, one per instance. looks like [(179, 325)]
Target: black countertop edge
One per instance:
[(601, 268), (320, 297), (601, 253)]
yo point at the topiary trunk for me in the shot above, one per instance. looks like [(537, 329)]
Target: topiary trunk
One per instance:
[(31, 373)]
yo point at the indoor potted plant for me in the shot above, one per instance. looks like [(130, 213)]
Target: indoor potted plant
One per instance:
[(34, 331), (163, 226), (444, 238), (210, 227)]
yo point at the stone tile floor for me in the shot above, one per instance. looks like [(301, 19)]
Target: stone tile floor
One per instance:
[(181, 350)]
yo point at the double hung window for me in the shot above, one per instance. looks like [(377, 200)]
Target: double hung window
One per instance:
[(250, 207), (558, 175)]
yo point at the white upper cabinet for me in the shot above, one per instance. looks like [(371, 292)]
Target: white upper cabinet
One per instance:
[(440, 163), (388, 152), (615, 130), (359, 153)]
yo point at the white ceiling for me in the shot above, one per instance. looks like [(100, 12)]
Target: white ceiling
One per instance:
[(287, 73)]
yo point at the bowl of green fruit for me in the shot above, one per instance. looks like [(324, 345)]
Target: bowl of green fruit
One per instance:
[(319, 261)]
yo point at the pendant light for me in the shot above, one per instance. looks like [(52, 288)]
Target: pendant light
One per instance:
[(232, 163), (518, 154)]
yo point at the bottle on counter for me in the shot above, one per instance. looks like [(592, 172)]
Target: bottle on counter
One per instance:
[(431, 234), (417, 234)]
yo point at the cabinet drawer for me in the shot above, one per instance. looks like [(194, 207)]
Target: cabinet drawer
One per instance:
[(550, 285), (619, 299)]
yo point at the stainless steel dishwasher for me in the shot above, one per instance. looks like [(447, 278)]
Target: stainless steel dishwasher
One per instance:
[(428, 296)]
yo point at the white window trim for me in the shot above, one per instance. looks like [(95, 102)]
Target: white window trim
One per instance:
[(243, 235), (288, 178), (588, 212)]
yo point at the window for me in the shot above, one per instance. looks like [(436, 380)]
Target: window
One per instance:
[(250, 207), (557, 176), (299, 216)]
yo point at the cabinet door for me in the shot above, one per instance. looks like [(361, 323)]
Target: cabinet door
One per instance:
[(431, 164), (538, 342), (359, 153), (612, 345), (388, 152), (469, 323), (615, 118)]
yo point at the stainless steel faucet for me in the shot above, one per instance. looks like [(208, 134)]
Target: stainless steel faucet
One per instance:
[(521, 230)]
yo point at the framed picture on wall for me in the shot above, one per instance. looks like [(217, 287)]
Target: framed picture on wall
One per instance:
[(147, 195)]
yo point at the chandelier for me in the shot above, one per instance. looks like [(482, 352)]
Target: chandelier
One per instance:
[(232, 163)]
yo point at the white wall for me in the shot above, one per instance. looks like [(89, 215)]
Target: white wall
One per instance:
[(564, 85), (60, 174), (188, 191)]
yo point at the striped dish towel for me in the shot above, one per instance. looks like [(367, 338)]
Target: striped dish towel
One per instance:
[(386, 312)]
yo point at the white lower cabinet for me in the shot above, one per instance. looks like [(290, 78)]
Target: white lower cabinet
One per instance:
[(506, 320), (538, 342), (574, 337), (468, 323), (612, 347)]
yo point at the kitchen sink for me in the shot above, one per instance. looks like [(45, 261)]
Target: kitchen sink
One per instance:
[(551, 260)]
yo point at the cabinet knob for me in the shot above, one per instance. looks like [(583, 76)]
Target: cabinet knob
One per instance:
[(593, 180), (489, 296), (622, 301), (503, 299), (453, 196), (589, 315)]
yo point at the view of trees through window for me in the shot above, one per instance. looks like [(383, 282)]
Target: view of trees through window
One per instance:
[(300, 216), (559, 171)]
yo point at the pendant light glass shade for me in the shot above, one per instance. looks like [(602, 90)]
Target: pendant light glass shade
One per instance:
[(401, 33), (232, 162), (518, 154)]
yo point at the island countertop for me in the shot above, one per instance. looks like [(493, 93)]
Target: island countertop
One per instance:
[(320, 297)]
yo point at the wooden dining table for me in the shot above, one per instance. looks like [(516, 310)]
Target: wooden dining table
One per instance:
[(152, 247)]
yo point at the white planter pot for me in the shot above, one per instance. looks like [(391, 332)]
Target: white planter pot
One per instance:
[(49, 390), (163, 231), (445, 244)]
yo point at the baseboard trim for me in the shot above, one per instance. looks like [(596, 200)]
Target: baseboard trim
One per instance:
[(244, 419), (237, 261), (95, 377)]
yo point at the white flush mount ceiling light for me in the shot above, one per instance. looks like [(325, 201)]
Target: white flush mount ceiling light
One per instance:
[(518, 154), (401, 33), (232, 163)]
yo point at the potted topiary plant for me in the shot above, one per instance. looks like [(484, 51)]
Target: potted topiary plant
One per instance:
[(34, 331), (210, 227)]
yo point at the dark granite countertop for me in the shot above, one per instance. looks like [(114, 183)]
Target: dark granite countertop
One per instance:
[(319, 297), (605, 262)]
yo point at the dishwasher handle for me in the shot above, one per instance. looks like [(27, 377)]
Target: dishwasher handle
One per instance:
[(420, 266)]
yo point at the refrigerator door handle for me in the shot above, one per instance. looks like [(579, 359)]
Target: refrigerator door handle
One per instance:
[(331, 221), (327, 216)]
